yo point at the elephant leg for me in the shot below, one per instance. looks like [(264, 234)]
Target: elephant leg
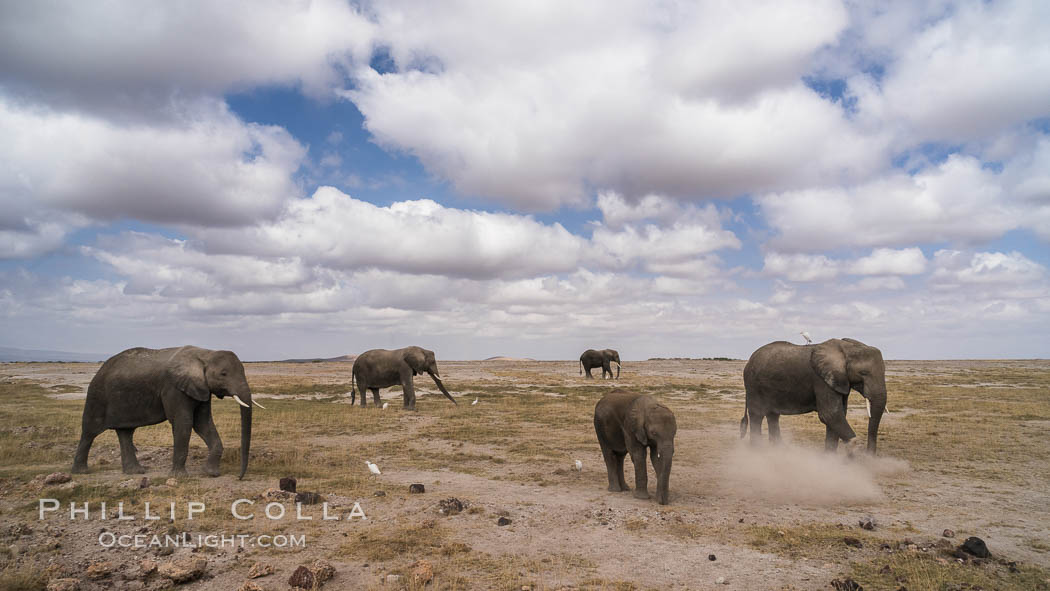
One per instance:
[(618, 458), (181, 426), (408, 389), (831, 440), (128, 461), (641, 479), (831, 408), (205, 427), (87, 437), (773, 422), (363, 385), (606, 369), (755, 420), (588, 370), (375, 396), (610, 466)]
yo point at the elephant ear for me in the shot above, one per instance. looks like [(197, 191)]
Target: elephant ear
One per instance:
[(187, 372), (415, 359), (635, 422), (829, 361)]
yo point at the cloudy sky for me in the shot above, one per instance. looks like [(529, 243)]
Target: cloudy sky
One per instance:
[(289, 179)]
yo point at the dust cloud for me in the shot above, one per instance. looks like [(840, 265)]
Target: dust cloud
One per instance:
[(791, 474)]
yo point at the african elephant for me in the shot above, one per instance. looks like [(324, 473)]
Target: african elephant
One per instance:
[(630, 423), (141, 387), (381, 368), (592, 358), (783, 378)]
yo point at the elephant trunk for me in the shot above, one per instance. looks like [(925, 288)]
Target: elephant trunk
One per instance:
[(246, 430), (877, 406), (437, 380)]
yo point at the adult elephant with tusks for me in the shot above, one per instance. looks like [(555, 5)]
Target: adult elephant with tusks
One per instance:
[(141, 387), (603, 359), (382, 368), (783, 378)]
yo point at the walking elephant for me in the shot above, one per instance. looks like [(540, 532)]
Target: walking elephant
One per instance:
[(141, 387), (603, 359), (783, 378), (629, 423), (381, 368)]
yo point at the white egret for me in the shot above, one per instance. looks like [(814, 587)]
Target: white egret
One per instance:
[(475, 401), (805, 335), (374, 469), (385, 405), (579, 466)]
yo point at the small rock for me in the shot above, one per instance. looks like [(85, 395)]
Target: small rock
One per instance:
[(867, 523), (975, 546), (846, 584), (307, 498), (451, 506), (147, 567), (720, 581), (171, 482), (135, 483), (57, 478), (422, 572), (287, 484), (165, 551), (379, 493), (852, 542), (503, 521), (416, 489), (99, 570), (393, 579), (322, 570), (948, 533), (276, 494), (260, 569), (711, 557), (250, 586), (64, 584), (184, 570), (302, 577)]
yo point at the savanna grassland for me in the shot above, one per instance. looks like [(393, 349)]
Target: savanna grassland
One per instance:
[(964, 448)]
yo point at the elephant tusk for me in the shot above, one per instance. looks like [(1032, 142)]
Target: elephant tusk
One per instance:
[(868, 403), (259, 405), (240, 402)]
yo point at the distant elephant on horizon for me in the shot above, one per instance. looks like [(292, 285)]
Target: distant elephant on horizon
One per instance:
[(603, 359), (783, 378), (140, 387), (382, 368)]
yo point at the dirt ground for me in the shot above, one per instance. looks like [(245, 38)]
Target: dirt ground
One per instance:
[(963, 448)]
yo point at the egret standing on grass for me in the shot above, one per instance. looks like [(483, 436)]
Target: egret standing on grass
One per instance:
[(805, 335), (579, 466), (385, 405), (373, 469), (475, 401)]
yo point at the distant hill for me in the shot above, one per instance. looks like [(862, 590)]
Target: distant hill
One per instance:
[(341, 358), (693, 359), (500, 358), (8, 354)]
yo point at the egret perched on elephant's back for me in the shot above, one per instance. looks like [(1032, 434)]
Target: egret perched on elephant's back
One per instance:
[(805, 335)]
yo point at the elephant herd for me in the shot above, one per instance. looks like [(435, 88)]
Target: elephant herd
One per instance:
[(140, 387)]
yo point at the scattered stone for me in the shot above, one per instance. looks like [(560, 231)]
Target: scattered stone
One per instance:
[(183, 570), (307, 498), (64, 584), (451, 506), (260, 569), (276, 494), (852, 542), (135, 483), (416, 489), (846, 584), (393, 579), (250, 586), (99, 570), (976, 547), (171, 482), (503, 521), (147, 567), (287, 484), (302, 577), (165, 551), (379, 493), (720, 581), (948, 533), (867, 523), (57, 478), (711, 557), (422, 573), (323, 571)]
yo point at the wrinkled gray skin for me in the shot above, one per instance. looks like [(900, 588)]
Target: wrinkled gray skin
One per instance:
[(626, 422), (603, 359), (141, 387), (783, 378), (382, 368)]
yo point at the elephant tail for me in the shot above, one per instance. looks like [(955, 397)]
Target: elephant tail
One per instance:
[(353, 387), (743, 425), (581, 366)]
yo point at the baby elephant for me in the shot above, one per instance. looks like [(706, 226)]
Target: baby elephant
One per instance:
[(627, 422)]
